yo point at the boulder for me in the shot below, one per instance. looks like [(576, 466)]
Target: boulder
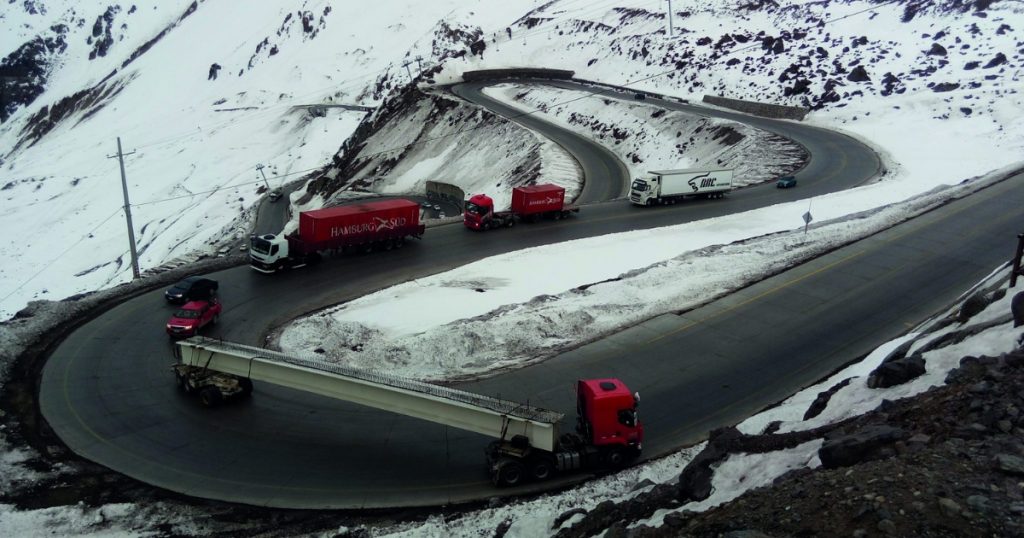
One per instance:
[(858, 74), (873, 442), (897, 372), (1017, 307)]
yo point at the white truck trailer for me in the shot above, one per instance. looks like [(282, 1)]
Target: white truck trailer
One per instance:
[(671, 186)]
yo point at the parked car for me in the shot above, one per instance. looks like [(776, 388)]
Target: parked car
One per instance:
[(786, 182), (194, 315), (191, 288)]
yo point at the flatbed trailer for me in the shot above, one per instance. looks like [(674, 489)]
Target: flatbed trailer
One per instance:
[(528, 445)]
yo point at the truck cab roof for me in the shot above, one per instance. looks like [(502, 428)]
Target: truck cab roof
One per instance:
[(684, 171)]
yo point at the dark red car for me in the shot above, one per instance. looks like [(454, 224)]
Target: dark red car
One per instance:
[(192, 316)]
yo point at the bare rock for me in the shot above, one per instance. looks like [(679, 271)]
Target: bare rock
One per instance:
[(871, 443), (890, 374), (1010, 464), (858, 74), (821, 401)]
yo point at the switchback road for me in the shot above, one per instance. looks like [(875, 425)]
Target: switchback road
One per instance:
[(108, 391)]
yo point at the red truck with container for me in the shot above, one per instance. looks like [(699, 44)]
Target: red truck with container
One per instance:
[(528, 204), (382, 224)]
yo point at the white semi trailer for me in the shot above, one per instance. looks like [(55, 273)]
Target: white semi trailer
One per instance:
[(671, 186)]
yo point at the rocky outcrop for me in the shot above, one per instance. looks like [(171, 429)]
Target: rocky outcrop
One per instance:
[(873, 442), (897, 372)]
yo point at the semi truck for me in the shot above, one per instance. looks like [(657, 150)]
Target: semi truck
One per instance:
[(671, 186), (528, 204), (527, 446), (381, 224)]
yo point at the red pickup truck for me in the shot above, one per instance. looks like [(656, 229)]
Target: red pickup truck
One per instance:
[(192, 316)]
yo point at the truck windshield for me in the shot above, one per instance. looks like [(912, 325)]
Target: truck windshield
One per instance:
[(260, 245), (639, 186), (474, 209)]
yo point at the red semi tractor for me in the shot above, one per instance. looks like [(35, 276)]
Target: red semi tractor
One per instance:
[(383, 224), (528, 203)]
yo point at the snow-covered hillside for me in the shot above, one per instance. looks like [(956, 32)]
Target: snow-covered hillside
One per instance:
[(147, 73), (888, 71)]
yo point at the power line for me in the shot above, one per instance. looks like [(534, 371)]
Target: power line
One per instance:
[(226, 187), (61, 255)]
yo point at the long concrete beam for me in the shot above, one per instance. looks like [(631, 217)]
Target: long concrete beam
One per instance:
[(455, 408)]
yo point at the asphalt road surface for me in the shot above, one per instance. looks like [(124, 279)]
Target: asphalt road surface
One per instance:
[(108, 391)]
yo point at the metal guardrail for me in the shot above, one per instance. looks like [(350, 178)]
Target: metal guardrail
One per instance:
[(504, 407)]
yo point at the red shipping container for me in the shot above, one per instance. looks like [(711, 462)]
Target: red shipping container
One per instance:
[(537, 199), (357, 222)]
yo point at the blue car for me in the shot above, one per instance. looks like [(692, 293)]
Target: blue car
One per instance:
[(786, 182), (193, 288)]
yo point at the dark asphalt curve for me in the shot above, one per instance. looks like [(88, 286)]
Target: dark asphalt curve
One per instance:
[(108, 392), (606, 176)]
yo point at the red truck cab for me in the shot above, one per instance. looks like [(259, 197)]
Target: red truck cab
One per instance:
[(192, 316), (479, 212), (609, 418), (529, 204)]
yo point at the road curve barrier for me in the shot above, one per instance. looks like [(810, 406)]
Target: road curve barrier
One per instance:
[(516, 72), (765, 110)]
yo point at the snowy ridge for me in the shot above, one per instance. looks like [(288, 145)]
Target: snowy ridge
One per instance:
[(646, 137)]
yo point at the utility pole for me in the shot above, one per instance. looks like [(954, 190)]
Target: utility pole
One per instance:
[(419, 66), (260, 168), (127, 210), (406, 66), (670, 31)]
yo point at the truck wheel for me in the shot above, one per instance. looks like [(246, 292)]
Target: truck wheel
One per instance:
[(509, 473), (210, 397), (615, 457), (511, 222), (246, 385), (181, 381), (541, 469), (557, 215)]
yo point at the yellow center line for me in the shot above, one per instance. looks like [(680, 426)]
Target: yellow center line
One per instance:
[(756, 297)]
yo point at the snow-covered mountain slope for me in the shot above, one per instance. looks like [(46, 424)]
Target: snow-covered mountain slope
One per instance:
[(869, 67), (196, 132)]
